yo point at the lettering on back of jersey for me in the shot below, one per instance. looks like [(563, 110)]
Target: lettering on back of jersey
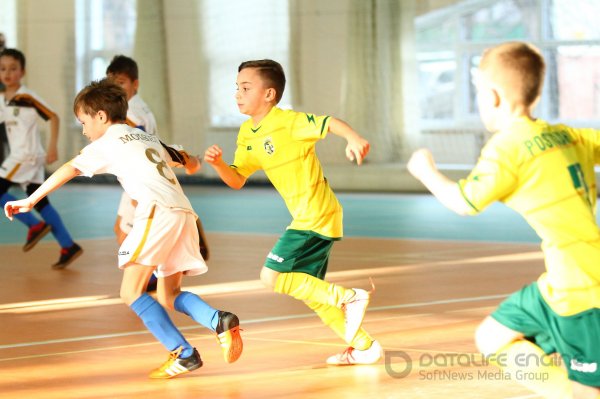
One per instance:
[(138, 136)]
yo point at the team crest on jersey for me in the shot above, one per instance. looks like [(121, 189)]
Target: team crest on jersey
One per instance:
[(269, 146)]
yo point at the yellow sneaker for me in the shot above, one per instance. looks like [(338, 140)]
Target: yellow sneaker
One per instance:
[(176, 365), (228, 336)]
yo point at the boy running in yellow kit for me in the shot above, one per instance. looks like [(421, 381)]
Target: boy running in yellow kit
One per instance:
[(282, 143), (546, 173)]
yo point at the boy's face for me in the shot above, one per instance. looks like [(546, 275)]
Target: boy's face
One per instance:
[(11, 72), (94, 126), (252, 97), (130, 86)]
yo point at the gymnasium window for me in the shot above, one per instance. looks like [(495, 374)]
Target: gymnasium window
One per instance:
[(237, 31), (104, 28), (8, 21), (450, 41)]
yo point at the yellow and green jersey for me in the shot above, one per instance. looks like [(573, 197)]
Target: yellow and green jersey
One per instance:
[(283, 145), (546, 173)]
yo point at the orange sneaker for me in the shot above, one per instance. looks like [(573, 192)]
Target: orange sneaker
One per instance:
[(228, 336)]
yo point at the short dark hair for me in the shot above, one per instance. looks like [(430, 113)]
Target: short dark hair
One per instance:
[(14, 53), (122, 64), (271, 73), (102, 95)]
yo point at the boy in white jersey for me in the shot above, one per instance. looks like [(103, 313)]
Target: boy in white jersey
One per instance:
[(546, 173), (164, 235), (282, 143), (20, 109), (123, 71)]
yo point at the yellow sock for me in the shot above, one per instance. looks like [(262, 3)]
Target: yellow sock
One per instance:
[(334, 318), (305, 287), (527, 364)]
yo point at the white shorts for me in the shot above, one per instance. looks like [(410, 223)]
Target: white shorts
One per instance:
[(166, 238), (126, 211), (23, 173)]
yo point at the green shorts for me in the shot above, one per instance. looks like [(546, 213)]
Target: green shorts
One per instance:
[(302, 252), (574, 337)]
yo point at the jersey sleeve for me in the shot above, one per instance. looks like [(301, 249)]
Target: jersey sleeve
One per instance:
[(591, 138), (493, 178), (90, 161), (308, 127), (32, 101)]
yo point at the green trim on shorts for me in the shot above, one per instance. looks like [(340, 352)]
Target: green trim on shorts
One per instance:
[(574, 337), (300, 251)]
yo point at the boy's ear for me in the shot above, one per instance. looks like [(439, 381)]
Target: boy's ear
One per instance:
[(496, 98), (102, 116), (136, 85), (271, 94)]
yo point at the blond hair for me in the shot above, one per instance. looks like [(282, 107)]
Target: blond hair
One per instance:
[(517, 68)]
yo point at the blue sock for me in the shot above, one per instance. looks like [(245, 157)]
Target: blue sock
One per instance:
[(193, 306), (157, 321), (58, 228), (25, 218)]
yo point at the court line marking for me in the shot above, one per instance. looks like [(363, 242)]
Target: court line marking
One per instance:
[(256, 285), (252, 321)]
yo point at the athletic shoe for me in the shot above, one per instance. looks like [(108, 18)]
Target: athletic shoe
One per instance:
[(176, 365), (68, 255), (354, 356), (228, 336), (354, 311), (35, 234)]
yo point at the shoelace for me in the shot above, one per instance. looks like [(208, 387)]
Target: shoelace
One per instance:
[(346, 355)]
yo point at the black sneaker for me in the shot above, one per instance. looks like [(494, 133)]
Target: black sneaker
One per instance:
[(176, 365), (68, 255), (35, 234), (228, 336)]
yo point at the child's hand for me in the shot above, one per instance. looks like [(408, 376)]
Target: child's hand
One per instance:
[(420, 162), (213, 154), (13, 207), (357, 149), (192, 165)]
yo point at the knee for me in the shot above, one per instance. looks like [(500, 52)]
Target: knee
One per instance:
[(268, 277), (128, 295), (485, 340)]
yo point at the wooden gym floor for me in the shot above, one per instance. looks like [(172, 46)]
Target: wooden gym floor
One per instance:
[(66, 334)]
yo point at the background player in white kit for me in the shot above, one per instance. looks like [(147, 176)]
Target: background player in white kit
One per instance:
[(164, 235), (20, 109), (124, 71)]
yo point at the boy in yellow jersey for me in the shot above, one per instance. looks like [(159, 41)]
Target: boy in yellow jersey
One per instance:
[(546, 173), (282, 143)]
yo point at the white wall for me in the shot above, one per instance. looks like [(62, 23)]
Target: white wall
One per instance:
[(46, 33)]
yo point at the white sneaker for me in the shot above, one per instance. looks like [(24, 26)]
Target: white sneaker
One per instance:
[(354, 311), (354, 356)]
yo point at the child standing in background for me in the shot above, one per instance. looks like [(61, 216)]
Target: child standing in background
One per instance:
[(19, 112), (124, 71)]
